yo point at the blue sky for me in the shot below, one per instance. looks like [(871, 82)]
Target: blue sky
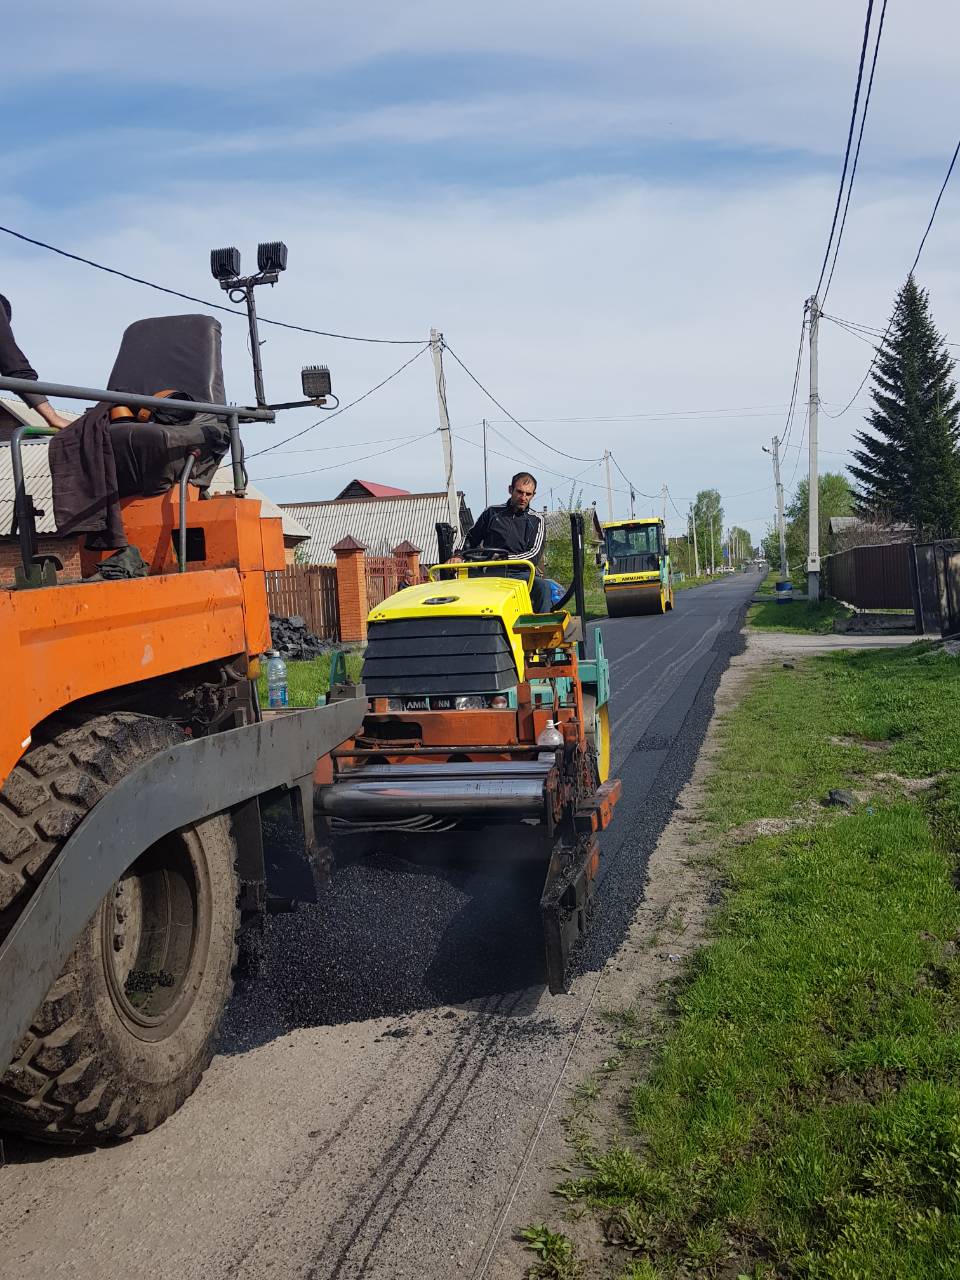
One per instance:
[(611, 212)]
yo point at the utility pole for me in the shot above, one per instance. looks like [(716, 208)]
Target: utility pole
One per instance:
[(606, 460), (713, 558), (486, 485), (633, 499), (453, 505), (778, 488), (696, 557), (663, 498), (813, 525)]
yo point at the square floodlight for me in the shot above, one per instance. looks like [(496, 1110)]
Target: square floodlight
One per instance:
[(224, 264), (272, 256), (315, 381)]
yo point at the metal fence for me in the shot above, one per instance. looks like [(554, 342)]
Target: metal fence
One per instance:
[(310, 592), (938, 585), (874, 577)]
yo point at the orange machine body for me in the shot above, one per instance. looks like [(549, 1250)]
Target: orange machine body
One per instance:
[(72, 641)]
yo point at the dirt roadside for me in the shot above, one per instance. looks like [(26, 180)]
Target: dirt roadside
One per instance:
[(669, 926)]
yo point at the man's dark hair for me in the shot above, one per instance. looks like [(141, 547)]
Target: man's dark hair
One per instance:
[(5, 303), (523, 475)]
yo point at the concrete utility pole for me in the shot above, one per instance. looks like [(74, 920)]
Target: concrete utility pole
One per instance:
[(453, 503), (713, 557), (813, 525), (486, 483), (778, 486), (606, 460), (696, 557), (633, 499), (663, 500)]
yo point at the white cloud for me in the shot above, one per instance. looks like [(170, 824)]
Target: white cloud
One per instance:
[(573, 300)]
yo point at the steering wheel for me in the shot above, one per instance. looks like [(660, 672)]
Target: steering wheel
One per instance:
[(487, 553)]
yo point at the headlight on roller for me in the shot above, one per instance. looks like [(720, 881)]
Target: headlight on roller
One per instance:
[(470, 702)]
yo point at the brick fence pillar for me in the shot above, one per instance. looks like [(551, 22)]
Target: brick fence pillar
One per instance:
[(410, 554), (351, 589)]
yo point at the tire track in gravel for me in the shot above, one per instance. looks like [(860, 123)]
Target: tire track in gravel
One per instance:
[(406, 1143)]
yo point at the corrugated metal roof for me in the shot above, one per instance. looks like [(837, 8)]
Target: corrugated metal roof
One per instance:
[(36, 474), (379, 523), (23, 413)]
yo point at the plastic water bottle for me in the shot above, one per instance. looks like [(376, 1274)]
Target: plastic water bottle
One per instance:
[(549, 738), (276, 680)]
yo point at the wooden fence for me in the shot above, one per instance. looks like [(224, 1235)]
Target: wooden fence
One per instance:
[(310, 591), (385, 575)]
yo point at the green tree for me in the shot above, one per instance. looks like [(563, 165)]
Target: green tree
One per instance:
[(908, 465), (708, 517), (836, 499)]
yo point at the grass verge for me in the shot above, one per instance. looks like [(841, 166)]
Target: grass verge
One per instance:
[(802, 1117), (798, 616), (307, 680)]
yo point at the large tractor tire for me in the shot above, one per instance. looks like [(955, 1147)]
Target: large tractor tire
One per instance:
[(128, 1028)]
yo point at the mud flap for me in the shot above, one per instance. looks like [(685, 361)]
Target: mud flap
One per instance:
[(567, 905)]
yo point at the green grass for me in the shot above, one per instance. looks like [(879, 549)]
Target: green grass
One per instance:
[(693, 581), (803, 1116), (798, 616), (306, 680)]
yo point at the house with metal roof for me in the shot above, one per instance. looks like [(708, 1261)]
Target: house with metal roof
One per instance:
[(378, 523)]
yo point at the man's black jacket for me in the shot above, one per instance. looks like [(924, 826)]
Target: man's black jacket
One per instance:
[(504, 527), (13, 363)]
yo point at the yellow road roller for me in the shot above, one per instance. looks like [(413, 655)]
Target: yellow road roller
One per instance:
[(636, 567)]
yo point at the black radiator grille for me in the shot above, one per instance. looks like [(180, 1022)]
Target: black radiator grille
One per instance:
[(437, 655)]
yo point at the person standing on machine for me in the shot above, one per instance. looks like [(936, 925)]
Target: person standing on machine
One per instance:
[(14, 364), (514, 528)]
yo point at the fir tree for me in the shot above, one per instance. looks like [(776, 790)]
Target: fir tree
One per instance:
[(908, 465)]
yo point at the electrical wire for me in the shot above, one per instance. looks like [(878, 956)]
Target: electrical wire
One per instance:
[(336, 466), (846, 156), (856, 154), (633, 487), (806, 419), (343, 408), (189, 297), (923, 241), (791, 410), (351, 444), (577, 479), (516, 421)]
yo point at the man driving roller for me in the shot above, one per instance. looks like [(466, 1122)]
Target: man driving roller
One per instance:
[(514, 528)]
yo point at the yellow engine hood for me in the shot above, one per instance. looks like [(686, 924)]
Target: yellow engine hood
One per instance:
[(503, 598)]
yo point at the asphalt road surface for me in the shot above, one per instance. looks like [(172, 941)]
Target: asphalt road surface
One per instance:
[(379, 1085)]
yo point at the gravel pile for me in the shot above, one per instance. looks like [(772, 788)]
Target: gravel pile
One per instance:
[(291, 638)]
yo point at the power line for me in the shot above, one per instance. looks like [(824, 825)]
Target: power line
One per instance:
[(516, 421), (788, 426), (349, 462), (923, 241), (856, 154), (351, 444), (189, 297), (577, 479), (846, 156), (343, 408), (629, 481)]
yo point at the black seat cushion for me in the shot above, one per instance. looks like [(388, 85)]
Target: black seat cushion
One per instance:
[(181, 353)]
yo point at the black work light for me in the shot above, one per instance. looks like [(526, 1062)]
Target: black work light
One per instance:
[(272, 256), (315, 381), (224, 264)]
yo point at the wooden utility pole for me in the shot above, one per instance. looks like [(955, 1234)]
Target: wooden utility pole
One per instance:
[(453, 504)]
